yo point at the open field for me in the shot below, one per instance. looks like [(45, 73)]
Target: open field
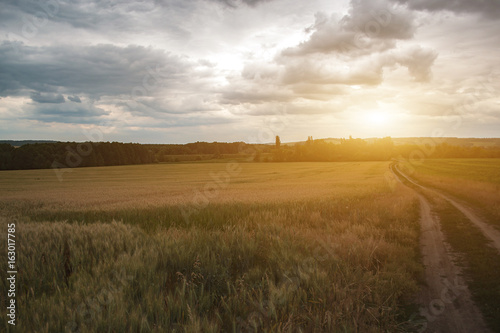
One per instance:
[(475, 181), (141, 194), (214, 247), (453, 189)]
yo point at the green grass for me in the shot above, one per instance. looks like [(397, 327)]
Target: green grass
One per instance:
[(323, 247)]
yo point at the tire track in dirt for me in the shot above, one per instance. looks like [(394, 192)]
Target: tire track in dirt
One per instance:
[(488, 231), (446, 301)]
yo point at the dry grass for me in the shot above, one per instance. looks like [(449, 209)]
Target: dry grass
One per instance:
[(476, 181), (317, 247), (144, 186)]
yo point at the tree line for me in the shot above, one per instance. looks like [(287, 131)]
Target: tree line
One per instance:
[(44, 155), (72, 154), (378, 150), (87, 154)]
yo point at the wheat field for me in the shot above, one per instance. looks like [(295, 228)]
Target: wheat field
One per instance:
[(476, 181), (311, 247)]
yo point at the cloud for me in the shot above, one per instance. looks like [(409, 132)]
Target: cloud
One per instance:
[(98, 16), (234, 61), (254, 96), (322, 71), (322, 78), (47, 98), (323, 92), (354, 50), (95, 71), (363, 71), (165, 106), (75, 99), (379, 20), (142, 81), (488, 9), (419, 62), (370, 26), (234, 3), (67, 113)]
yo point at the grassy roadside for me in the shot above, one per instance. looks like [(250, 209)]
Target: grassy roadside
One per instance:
[(481, 263), (474, 181)]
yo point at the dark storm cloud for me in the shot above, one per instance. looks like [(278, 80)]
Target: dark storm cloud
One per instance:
[(131, 75), (489, 9), (174, 18), (65, 110), (100, 70), (47, 98), (29, 18), (68, 113), (79, 14)]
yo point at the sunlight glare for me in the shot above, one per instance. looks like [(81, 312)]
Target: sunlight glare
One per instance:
[(377, 118)]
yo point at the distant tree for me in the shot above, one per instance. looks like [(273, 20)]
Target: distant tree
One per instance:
[(278, 142)]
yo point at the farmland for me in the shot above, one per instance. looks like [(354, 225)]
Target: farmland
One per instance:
[(214, 247), (465, 197), (476, 181), (244, 247)]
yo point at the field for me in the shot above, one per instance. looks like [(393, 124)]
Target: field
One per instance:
[(476, 181), (465, 196), (234, 247)]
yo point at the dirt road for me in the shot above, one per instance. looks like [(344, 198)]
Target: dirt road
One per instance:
[(488, 231), (445, 301)]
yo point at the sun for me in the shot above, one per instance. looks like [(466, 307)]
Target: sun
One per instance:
[(377, 118)]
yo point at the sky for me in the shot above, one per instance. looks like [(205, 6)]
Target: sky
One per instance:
[(178, 71)]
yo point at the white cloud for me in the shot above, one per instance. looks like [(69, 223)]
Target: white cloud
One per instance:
[(226, 64)]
